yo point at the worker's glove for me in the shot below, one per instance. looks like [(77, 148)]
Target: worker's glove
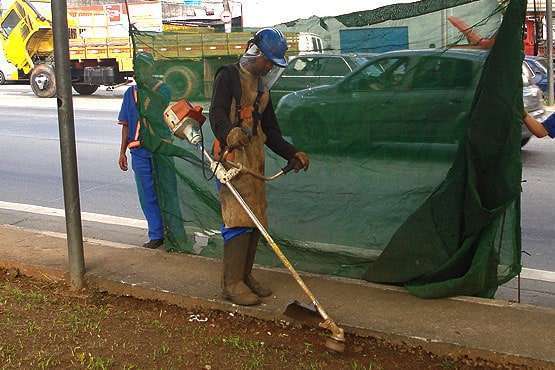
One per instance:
[(237, 138), (300, 161)]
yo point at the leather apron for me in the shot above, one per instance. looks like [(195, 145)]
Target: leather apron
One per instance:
[(251, 156)]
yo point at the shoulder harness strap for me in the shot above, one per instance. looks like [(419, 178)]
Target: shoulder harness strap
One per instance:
[(256, 115), (236, 86)]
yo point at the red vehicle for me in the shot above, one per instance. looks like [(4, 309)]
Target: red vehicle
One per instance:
[(532, 36)]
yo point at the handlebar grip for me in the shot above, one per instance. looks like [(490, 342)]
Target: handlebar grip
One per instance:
[(290, 166)]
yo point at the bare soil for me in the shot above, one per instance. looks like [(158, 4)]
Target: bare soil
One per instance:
[(45, 325)]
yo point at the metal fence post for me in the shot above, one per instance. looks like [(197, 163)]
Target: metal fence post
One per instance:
[(67, 144)]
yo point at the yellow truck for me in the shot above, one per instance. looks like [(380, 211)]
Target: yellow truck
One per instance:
[(26, 30)]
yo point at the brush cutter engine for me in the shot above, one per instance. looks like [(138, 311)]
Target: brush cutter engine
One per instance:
[(185, 120)]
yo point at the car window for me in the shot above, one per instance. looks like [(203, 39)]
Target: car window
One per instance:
[(543, 63), (384, 74), (315, 44), (20, 9), (333, 67), (436, 72), (537, 68), (360, 60), (356, 61), (10, 22), (303, 67), (526, 75)]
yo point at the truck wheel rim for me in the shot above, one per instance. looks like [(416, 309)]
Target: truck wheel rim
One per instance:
[(41, 81)]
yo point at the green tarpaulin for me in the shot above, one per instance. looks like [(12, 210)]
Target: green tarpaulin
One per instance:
[(415, 157)]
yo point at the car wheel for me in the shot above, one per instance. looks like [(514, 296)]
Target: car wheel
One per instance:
[(524, 141), (84, 89), (43, 81), (2, 78)]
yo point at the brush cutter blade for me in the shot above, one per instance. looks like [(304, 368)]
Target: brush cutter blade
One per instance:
[(335, 345), (305, 313)]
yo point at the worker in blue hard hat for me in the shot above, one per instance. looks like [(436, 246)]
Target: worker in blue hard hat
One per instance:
[(243, 121)]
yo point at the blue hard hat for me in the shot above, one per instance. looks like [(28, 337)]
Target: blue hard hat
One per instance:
[(272, 44)]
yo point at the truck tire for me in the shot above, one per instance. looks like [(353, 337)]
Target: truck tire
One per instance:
[(84, 89), (43, 81), (182, 81), (2, 78)]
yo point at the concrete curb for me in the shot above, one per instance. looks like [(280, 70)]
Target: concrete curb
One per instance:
[(130, 283)]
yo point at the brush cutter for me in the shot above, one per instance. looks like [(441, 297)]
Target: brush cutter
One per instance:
[(185, 121)]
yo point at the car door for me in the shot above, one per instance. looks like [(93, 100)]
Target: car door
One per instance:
[(437, 99), (362, 106)]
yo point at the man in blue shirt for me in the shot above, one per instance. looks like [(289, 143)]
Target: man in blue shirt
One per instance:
[(141, 163), (141, 158)]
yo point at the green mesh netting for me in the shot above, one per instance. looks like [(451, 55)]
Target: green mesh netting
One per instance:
[(415, 156)]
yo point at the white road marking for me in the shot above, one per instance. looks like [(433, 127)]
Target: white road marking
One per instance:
[(49, 115), (526, 273), (104, 243), (541, 275), (85, 216)]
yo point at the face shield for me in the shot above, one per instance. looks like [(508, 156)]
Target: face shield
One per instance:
[(268, 78), (271, 77)]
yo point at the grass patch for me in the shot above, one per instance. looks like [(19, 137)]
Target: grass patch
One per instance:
[(355, 365), (237, 342), (92, 362), (45, 360), (23, 297), (8, 353)]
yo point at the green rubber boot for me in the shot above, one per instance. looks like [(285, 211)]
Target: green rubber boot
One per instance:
[(235, 258), (250, 281)]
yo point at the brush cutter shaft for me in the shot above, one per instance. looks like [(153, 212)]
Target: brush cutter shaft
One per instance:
[(270, 241), (277, 251)]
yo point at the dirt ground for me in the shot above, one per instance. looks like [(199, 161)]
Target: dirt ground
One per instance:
[(45, 325)]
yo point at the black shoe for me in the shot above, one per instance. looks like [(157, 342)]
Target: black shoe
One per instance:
[(153, 244)]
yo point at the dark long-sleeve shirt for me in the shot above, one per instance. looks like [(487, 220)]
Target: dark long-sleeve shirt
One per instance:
[(221, 125)]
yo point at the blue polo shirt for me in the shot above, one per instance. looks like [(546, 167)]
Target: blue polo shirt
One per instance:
[(129, 114), (549, 125)]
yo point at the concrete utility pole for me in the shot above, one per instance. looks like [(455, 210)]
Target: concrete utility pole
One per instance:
[(549, 27), (67, 145)]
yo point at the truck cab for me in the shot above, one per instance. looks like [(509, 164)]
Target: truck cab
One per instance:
[(26, 32)]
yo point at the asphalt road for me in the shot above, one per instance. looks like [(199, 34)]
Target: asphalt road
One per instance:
[(30, 153), (30, 171), (538, 202)]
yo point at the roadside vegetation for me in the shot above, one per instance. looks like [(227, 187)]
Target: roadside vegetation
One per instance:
[(44, 325)]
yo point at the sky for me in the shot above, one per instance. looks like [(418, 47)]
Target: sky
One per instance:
[(269, 12), (259, 13)]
